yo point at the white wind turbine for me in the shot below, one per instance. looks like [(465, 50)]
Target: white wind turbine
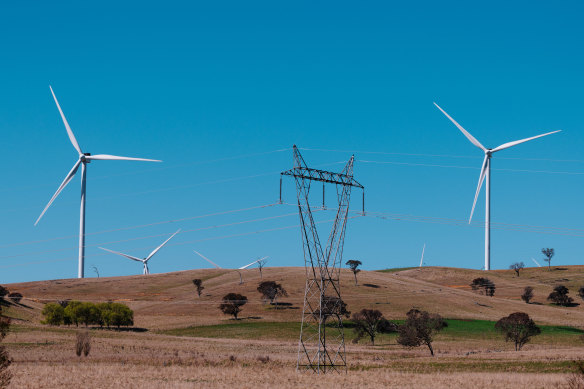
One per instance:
[(237, 270), (83, 160), (486, 173), (422, 259), (143, 260)]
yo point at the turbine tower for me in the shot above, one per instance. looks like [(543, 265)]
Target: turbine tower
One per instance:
[(486, 173), (143, 260), (83, 160)]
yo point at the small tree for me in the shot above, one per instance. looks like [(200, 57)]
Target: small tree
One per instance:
[(485, 285), (271, 290), (261, 264), (549, 253), (527, 294), (5, 361), (354, 264), (199, 285), (517, 266), (232, 303), (54, 314), (518, 328), (560, 296), (419, 329), (581, 292), (371, 322)]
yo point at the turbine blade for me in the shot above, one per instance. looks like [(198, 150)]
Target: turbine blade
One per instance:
[(465, 132), (67, 179), (69, 131), (207, 259), (159, 247), (481, 179), (106, 157), (123, 255), (514, 143), (246, 266)]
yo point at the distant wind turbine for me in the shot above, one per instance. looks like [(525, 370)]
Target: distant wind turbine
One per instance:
[(84, 159), (143, 260), (422, 259), (537, 263), (237, 270), (486, 172)]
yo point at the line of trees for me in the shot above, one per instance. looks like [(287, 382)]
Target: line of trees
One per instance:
[(76, 312)]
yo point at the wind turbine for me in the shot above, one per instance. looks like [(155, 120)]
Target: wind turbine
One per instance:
[(237, 270), (83, 160), (422, 259), (537, 263), (486, 172), (144, 260)]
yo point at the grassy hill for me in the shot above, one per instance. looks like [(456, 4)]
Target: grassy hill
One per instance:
[(169, 300)]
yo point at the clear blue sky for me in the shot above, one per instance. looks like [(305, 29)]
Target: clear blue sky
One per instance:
[(196, 84)]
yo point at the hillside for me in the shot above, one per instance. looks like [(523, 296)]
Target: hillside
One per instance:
[(164, 301)]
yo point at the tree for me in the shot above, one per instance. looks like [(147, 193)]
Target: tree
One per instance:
[(527, 294), (560, 296), (118, 315), (232, 303), (3, 292), (71, 315), (420, 328), (581, 292), (271, 290), (549, 253), (371, 322), (261, 264), (54, 314), (517, 266), (5, 361), (517, 327), (331, 306), (485, 285), (199, 285), (354, 264)]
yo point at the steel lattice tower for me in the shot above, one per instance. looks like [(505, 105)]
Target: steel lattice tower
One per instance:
[(322, 343)]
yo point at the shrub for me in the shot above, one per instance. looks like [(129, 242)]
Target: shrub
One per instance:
[(83, 344), (527, 294), (517, 327), (560, 296)]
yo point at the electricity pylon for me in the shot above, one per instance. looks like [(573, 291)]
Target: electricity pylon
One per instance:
[(322, 343)]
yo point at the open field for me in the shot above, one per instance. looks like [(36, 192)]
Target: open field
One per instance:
[(186, 342)]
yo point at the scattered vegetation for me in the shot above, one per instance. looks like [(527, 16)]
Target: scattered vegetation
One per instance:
[(420, 328), (517, 267), (5, 361), (199, 285), (76, 312), (527, 295), (581, 292), (518, 327), (370, 322), (271, 290), (484, 285), (354, 264), (83, 344), (549, 253), (232, 303), (560, 296)]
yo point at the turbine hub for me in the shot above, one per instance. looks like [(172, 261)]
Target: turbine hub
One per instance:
[(83, 159)]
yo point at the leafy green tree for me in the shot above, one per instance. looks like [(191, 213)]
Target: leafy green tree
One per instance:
[(560, 296), (549, 253), (232, 303), (121, 315), (353, 265), (71, 312), (518, 327), (420, 328), (54, 314)]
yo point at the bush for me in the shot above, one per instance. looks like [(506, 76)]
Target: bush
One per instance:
[(527, 294), (517, 327), (560, 296)]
